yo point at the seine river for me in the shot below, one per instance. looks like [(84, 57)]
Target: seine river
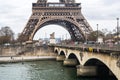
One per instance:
[(39, 70)]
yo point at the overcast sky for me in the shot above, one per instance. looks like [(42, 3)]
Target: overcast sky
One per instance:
[(15, 13)]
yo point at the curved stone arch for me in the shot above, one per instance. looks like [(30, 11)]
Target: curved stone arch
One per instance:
[(86, 62), (109, 62), (56, 51), (77, 57), (62, 52), (42, 24)]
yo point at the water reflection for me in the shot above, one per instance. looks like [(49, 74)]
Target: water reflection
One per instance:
[(40, 70)]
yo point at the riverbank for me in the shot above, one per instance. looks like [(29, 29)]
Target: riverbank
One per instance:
[(25, 59)]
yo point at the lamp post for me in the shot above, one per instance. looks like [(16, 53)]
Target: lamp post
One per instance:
[(110, 36), (117, 30), (97, 33)]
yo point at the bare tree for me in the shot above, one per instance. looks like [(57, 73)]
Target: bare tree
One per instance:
[(6, 35), (94, 35)]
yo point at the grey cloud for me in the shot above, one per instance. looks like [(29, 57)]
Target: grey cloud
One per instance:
[(110, 2), (14, 14), (103, 10)]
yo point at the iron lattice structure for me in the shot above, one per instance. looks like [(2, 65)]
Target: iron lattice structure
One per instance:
[(66, 13)]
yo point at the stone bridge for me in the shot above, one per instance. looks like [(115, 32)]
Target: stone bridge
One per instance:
[(89, 63)]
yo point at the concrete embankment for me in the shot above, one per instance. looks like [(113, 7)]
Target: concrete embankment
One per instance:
[(24, 59)]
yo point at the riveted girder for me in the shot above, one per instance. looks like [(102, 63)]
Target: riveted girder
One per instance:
[(66, 13)]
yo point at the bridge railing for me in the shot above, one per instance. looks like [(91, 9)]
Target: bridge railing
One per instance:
[(105, 47), (102, 46), (109, 47)]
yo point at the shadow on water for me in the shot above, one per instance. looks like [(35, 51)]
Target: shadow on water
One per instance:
[(95, 78)]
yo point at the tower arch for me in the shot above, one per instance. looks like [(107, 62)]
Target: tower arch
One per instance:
[(60, 32), (70, 26)]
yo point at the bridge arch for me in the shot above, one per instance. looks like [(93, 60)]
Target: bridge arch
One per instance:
[(73, 56), (92, 59), (103, 70), (56, 51), (62, 53), (74, 29)]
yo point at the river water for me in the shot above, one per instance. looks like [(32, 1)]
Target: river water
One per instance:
[(39, 70)]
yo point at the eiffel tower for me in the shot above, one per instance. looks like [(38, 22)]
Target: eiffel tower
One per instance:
[(66, 13)]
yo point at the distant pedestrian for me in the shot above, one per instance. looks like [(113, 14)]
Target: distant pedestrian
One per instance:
[(22, 61), (11, 57)]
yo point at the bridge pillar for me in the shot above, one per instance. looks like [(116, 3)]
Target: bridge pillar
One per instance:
[(60, 58), (70, 62), (89, 71)]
